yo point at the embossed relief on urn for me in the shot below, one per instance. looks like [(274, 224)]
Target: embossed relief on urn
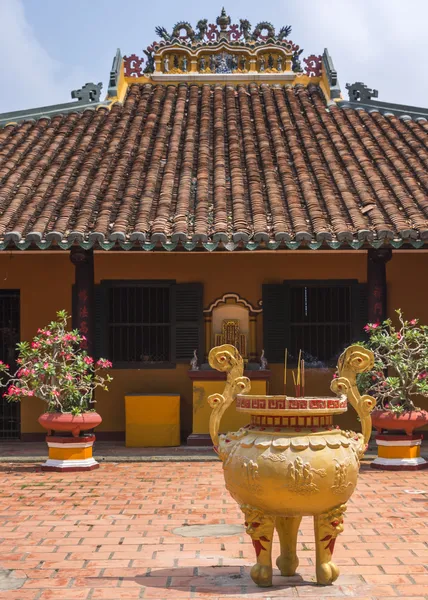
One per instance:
[(291, 461)]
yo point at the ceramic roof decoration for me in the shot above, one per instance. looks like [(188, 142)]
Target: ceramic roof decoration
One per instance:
[(224, 142)]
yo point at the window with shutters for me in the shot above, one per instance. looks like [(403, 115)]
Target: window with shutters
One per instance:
[(321, 322), (320, 318), (148, 324), (139, 323), (10, 416)]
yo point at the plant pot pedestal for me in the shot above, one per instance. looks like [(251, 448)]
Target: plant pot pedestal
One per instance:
[(70, 454), (399, 453)]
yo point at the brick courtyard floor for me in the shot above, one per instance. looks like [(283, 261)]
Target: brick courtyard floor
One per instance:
[(109, 534)]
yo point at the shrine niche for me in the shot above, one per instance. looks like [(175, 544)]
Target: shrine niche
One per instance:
[(232, 320)]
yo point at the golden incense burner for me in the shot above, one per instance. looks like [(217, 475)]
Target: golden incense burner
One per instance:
[(290, 461)]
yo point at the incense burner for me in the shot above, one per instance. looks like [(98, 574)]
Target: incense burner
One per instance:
[(290, 461)]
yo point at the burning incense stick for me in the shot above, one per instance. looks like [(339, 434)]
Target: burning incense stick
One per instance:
[(285, 372), (299, 364), (303, 378)]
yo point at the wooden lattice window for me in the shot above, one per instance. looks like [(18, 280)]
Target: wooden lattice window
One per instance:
[(139, 323), (10, 416), (320, 321), (148, 324), (318, 317)]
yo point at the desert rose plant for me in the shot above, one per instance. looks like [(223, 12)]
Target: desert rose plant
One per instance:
[(56, 368), (401, 364)]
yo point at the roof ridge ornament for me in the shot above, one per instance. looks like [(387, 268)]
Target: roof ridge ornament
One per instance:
[(360, 92), (90, 92), (263, 31)]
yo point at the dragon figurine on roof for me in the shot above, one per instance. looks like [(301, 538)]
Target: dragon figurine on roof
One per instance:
[(184, 32)]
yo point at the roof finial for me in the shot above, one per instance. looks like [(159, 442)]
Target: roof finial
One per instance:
[(223, 21)]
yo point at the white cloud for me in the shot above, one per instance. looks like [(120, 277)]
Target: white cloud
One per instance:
[(29, 76)]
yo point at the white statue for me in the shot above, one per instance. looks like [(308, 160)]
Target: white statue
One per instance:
[(194, 362), (263, 362), (166, 64)]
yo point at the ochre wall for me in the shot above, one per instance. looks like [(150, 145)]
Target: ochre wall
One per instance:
[(45, 282)]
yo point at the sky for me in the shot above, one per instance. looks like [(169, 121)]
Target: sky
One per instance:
[(50, 47)]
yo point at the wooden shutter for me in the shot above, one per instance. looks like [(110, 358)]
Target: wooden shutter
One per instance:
[(276, 321), (359, 311), (187, 318)]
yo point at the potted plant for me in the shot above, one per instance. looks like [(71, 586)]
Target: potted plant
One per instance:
[(399, 377), (55, 368)]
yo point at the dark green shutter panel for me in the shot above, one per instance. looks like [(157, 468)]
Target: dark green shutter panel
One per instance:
[(359, 311), (187, 321), (276, 321)]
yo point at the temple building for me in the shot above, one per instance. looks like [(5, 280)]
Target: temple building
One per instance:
[(225, 190)]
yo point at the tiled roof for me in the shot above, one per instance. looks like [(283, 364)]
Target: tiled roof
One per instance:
[(251, 163)]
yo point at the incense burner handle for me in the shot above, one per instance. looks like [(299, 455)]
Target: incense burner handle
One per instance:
[(226, 358), (353, 361)]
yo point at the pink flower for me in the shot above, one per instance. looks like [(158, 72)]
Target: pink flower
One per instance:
[(413, 322), (48, 333), (55, 393), (399, 336), (88, 360), (46, 365), (30, 393), (35, 345), (13, 391), (106, 364), (423, 375), (371, 326), (69, 377)]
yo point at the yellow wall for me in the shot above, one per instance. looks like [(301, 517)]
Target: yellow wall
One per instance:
[(45, 282)]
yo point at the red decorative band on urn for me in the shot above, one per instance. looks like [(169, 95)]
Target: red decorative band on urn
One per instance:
[(306, 421), (272, 404)]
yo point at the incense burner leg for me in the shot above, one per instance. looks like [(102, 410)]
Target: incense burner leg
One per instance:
[(260, 528), (327, 528), (288, 528)]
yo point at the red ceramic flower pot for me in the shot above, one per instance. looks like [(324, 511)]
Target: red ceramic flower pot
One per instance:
[(68, 422), (408, 421)]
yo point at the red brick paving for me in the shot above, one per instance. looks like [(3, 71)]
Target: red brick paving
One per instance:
[(107, 534)]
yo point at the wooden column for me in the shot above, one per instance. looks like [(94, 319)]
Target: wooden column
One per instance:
[(83, 305), (376, 284)]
